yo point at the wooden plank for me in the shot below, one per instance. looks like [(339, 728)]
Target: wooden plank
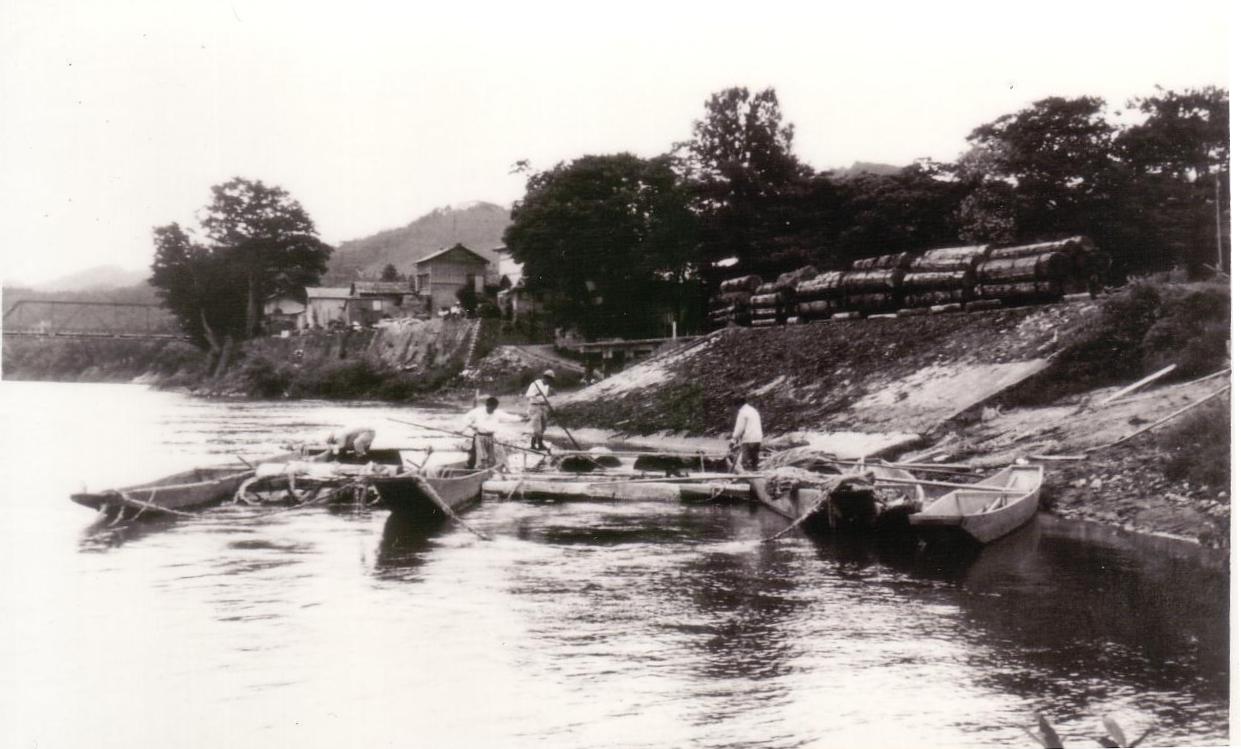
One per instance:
[(1140, 383)]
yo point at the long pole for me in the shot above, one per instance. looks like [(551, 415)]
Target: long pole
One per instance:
[(461, 434), (551, 411)]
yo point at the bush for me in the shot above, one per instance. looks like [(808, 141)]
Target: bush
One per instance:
[(349, 379), (265, 378), (1138, 331), (1192, 333), (1197, 447)]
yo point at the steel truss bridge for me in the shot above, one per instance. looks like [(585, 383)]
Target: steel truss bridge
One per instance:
[(73, 319)]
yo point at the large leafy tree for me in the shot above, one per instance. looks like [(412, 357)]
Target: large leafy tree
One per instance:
[(910, 210), (257, 241), (1056, 156), (740, 166), (266, 234), (598, 235), (1178, 163)]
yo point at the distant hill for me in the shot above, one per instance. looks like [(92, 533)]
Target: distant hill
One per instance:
[(98, 278), (867, 167), (479, 226), (139, 293)]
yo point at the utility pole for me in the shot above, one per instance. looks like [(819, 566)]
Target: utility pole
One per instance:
[(1219, 231)]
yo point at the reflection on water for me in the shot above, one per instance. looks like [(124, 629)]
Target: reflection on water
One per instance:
[(581, 624)]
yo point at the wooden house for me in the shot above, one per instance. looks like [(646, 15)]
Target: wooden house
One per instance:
[(327, 305), (372, 301), (284, 312), (440, 275)]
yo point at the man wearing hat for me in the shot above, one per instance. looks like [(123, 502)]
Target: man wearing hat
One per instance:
[(537, 402)]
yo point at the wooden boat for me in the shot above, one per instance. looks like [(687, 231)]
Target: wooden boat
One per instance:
[(995, 507), (183, 492), (453, 486), (855, 506), (171, 495)]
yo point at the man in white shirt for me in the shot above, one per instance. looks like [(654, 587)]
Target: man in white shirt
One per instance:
[(747, 435), (354, 441), (538, 407), (483, 421)]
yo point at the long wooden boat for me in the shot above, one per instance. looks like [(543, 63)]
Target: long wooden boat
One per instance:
[(994, 507), (454, 487), (179, 492)]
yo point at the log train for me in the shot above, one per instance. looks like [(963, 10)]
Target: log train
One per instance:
[(969, 277)]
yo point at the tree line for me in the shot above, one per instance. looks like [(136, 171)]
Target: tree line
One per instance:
[(608, 239)]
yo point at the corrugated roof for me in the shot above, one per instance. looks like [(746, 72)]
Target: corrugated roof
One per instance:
[(382, 287), (456, 246), (327, 292)]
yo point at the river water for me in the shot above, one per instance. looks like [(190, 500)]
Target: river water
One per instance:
[(580, 624)]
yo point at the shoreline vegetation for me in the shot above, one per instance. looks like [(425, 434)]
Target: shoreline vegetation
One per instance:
[(857, 375)]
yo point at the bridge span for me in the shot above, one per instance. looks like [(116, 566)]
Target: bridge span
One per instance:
[(66, 318)]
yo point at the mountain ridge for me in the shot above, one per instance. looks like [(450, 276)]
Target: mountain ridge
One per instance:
[(478, 225)]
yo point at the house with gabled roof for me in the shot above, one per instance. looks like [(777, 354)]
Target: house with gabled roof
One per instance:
[(440, 275), (326, 305)]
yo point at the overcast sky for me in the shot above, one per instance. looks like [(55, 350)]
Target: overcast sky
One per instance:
[(119, 116)]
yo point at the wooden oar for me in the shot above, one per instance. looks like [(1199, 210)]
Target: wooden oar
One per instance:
[(466, 436), (721, 477), (951, 485), (951, 468), (827, 496), (434, 496)]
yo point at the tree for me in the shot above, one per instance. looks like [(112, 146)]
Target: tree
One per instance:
[(1179, 156), (1055, 155), (268, 236), (598, 234), (911, 210), (258, 242), (742, 172), (389, 273)]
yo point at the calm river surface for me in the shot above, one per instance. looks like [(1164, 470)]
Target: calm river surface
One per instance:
[(581, 624)]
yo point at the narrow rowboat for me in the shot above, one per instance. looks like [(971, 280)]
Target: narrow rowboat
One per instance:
[(457, 487), (175, 494), (180, 492), (997, 506)]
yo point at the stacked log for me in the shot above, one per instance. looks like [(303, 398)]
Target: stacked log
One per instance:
[(1014, 278), (766, 305), (1087, 265), (872, 291), (951, 259), (820, 296), (929, 288), (732, 304), (748, 284), (777, 300), (894, 261)]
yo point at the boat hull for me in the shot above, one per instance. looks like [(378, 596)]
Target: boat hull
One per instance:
[(457, 488), (982, 514), (180, 492)]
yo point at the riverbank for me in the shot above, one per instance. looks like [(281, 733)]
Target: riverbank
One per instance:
[(164, 362), (983, 387)]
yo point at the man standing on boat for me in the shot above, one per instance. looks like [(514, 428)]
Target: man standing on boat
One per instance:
[(747, 436), (483, 421), (538, 407)]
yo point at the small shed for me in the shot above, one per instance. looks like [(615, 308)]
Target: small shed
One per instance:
[(284, 312), (443, 273), (326, 305), (372, 301)]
